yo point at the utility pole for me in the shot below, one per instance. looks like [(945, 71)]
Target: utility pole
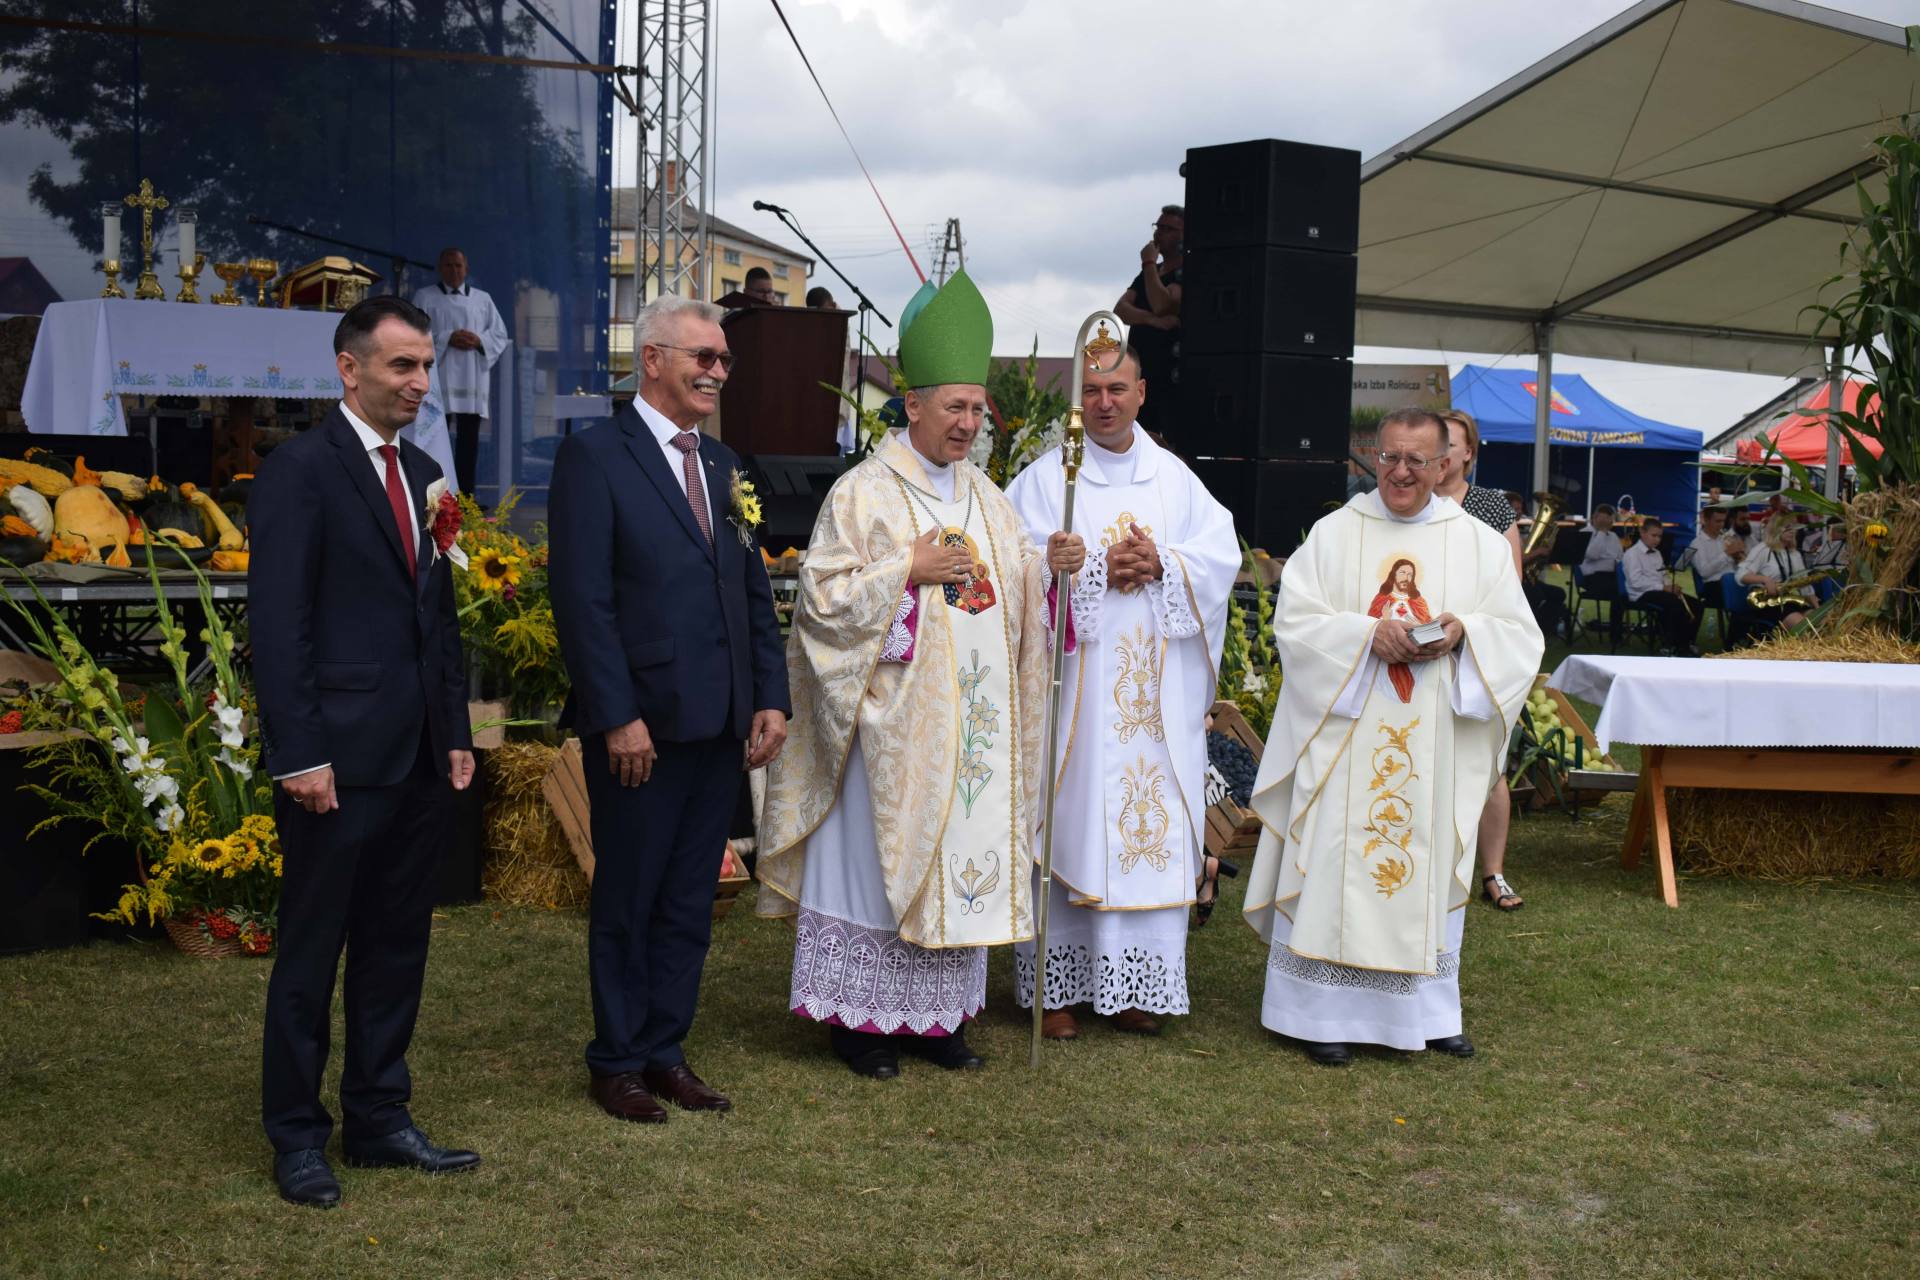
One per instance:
[(952, 254)]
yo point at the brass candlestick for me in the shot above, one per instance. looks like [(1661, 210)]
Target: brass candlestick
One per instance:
[(188, 275), (111, 267), (262, 270), (148, 204), (231, 273)]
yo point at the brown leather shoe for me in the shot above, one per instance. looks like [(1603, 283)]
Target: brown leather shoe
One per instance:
[(1058, 1024), (625, 1097), (1138, 1021), (685, 1090)]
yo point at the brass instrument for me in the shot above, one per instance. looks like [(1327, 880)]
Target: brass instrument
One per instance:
[(1547, 510), (1102, 353), (1789, 593)]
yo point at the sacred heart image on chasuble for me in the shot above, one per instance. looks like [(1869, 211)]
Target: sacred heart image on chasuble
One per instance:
[(1399, 598), (975, 594)]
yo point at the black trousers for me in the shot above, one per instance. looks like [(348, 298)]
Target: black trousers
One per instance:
[(1679, 616), (359, 878), (466, 447), (656, 853)]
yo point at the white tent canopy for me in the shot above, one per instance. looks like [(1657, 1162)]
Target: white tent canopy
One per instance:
[(1673, 187)]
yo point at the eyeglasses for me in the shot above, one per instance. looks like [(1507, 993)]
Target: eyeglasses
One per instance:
[(702, 356), (1411, 461)]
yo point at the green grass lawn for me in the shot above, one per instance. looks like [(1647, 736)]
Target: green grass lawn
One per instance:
[(1726, 1089)]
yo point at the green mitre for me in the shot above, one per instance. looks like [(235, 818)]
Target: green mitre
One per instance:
[(948, 338)]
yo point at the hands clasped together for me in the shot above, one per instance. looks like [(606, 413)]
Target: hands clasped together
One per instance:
[(1393, 641), (1133, 562)]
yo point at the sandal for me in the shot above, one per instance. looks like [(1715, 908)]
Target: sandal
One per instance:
[(1211, 869), (1500, 894)]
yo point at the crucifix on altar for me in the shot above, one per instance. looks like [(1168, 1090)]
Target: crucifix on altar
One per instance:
[(148, 204)]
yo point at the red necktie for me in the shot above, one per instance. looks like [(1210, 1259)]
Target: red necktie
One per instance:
[(688, 443), (397, 499)]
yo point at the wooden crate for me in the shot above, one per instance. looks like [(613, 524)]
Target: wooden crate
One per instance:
[(1232, 830), (1599, 785)]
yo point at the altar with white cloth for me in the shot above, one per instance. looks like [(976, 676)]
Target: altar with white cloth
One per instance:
[(1759, 725), (89, 354)]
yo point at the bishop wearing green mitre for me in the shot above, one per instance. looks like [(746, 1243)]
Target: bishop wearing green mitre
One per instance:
[(898, 822)]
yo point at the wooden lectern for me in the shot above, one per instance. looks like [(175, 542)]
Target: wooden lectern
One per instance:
[(773, 402)]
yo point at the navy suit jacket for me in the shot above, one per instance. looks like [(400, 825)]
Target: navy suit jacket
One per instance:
[(655, 622), (353, 659)]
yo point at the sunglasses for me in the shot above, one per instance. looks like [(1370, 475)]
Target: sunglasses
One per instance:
[(705, 357)]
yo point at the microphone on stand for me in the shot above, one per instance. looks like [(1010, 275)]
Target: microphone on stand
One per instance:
[(761, 206)]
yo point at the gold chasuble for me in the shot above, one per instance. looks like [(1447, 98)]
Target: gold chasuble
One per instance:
[(944, 688), (1375, 774)]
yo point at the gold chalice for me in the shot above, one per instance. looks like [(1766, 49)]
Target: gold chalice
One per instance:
[(262, 270), (231, 272)]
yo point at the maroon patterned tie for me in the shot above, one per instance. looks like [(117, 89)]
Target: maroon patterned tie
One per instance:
[(688, 443), (397, 499)]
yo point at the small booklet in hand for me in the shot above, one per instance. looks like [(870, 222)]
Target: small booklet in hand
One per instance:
[(1428, 633)]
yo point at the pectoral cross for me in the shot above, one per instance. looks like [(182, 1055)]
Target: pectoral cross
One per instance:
[(148, 204)]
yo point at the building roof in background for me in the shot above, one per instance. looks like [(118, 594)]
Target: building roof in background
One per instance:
[(23, 290), (1765, 417), (625, 200)]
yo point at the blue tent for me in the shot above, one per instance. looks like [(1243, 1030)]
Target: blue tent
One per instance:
[(1597, 451)]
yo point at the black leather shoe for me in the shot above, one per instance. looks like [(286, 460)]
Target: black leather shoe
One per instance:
[(407, 1148), (1458, 1046), (305, 1178), (950, 1053), (1328, 1055), (866, 1054)]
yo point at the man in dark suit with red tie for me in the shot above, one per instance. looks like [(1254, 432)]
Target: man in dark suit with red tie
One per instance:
[(679, 681), (363, 716)]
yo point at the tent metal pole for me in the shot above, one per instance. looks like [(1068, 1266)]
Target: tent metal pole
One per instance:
[(1591, 451), (1836, 390), (1542, 401)]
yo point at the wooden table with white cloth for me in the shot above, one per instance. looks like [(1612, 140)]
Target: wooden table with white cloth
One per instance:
[(1749, 725)]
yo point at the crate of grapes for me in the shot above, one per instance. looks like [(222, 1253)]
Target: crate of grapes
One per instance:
[(1233, 759)]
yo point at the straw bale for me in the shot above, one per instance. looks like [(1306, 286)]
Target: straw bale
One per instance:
[(1795, 835), (529, 862), (1862, 644)]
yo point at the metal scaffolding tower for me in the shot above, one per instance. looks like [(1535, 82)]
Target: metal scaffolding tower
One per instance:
[(675, 160)]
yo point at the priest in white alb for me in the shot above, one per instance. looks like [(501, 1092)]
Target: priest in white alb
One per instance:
[(468, 337), (897, 823), (1149, 613), (1407, 649)]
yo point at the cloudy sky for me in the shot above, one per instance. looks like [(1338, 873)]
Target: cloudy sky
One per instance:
[(1054, 131)]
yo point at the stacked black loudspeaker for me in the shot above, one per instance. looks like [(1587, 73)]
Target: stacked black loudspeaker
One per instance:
[(1266, 331)]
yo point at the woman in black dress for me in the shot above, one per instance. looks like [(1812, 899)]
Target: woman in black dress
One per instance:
[(1490, 507)]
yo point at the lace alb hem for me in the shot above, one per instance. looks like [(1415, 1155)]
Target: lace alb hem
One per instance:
[(898, 646), (1172, 604), (1325, 973), (871, 979), (1148, 977)]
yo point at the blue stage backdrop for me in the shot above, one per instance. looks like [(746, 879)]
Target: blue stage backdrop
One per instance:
[(1655, 463), (405, 125)]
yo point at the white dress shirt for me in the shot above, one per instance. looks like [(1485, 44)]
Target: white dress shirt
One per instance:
[(1603, 552), (1763, 560), (1645, 570), (664, 431), (370, 441), (1710, 556)]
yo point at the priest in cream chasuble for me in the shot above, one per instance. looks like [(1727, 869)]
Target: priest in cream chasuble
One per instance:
[(898, 823), (1382, 753), (1149, 613)]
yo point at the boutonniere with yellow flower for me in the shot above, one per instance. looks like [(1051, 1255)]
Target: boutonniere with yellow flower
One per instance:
[(745, 517)]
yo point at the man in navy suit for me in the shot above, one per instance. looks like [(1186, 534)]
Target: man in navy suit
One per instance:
[(679, 680), (363, 716)]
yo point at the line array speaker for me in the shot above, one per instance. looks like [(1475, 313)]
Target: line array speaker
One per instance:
[(1270, 192), (1273, 504), (1265, 299), (1263, 406)]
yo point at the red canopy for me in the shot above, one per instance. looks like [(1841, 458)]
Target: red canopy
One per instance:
[(1802, 436)]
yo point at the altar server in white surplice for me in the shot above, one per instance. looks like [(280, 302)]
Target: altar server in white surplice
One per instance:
[(1381, 757), (1149, 611), (468, 337)]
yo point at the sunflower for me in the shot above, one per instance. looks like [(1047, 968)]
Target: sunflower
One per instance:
[(211, 855), (494, 571), (1876, 533)]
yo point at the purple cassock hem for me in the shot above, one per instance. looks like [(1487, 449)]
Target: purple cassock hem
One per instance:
[(873, 980)]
